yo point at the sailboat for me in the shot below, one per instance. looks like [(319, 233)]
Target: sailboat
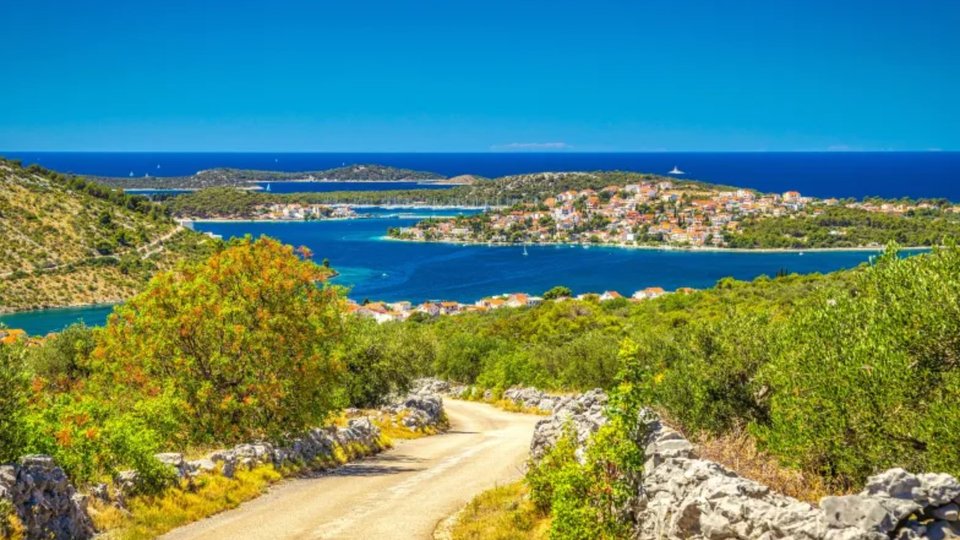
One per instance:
[(267, 188), (525, 250), (676, 170)]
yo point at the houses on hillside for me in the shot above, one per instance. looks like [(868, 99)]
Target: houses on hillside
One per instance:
[(400, 311), (648, 213)]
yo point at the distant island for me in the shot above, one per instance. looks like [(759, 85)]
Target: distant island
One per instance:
[(247, 178)]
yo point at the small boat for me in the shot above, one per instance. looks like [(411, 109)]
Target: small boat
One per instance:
[(676, 170), (525, 250), (131, 174), (267, 188), (158, 165), (801, 254)]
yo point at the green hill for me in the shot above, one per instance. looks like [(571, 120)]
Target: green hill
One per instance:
[(68, 241)]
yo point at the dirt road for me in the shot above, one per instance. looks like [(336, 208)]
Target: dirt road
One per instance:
[(399, 494)]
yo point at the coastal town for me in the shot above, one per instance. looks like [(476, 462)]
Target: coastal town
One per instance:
[(661, 213), (400, 311)]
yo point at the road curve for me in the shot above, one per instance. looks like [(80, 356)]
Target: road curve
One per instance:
[(401, 493)]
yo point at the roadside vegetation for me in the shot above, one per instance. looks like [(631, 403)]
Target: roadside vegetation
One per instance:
[(809, 395), (243, 346)]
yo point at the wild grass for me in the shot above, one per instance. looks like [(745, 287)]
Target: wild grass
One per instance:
[(10, 526), (502, 513), (737, 450), (392, 428), (151, 516), (512, 406)]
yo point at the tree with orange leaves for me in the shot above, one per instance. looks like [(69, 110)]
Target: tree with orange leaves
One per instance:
[(245, 342)]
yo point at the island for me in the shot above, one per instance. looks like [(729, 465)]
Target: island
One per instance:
[(249, 179)]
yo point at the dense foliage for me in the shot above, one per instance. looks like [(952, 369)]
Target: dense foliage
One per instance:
[(855, 380), (837, 227), (13, 401), (246, 345)]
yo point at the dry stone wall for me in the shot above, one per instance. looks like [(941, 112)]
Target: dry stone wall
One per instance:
[(50, 508), (685, 497), (46, 505)]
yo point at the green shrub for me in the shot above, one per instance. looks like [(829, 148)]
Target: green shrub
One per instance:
[(13, 401), (91, 440), (870, 379), (703, 373), (60, 357), (596, 498), (382, 359)]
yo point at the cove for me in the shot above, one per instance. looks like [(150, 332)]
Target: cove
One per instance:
[(380, 269)]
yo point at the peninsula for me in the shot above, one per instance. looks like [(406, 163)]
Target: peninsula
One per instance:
[(665, 213)]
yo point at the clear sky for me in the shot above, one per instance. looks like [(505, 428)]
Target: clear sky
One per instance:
[(447, 75)]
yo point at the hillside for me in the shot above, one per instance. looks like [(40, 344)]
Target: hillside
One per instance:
[(67, 241)]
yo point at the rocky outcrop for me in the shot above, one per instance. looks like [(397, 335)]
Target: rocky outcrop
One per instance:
[(582, 414), (420, 411), (437, 387), (45, 502), (684, 497)]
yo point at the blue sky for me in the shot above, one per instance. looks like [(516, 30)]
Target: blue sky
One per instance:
[(364, 75)]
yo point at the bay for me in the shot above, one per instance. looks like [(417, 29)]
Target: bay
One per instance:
[(380, 269)]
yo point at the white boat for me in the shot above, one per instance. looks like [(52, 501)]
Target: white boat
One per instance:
[(525, 250), (267, 188), (676, 170)]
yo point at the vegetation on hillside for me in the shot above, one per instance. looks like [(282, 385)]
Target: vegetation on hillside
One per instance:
[(221, 177), (69, 241), (840, 227)]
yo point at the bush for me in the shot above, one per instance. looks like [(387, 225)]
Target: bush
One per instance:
[(870, 379), (245, 342), (703, 373), (13, 401), (89, 439), (383, 359), (59, 360)]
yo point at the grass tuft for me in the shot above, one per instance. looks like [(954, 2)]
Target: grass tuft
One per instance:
[(737, 450), (151, 516), (502, 513)]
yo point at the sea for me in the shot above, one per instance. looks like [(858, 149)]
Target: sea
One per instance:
[(374, 267)]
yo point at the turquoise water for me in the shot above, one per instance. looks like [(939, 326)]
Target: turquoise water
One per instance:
[(52, 320), (382, 269)]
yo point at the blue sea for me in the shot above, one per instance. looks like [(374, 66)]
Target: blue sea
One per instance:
[(825, 174), (376, 268)]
